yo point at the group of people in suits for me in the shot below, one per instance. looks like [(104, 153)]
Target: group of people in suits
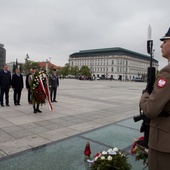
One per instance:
[(6, 82), (16, 82)]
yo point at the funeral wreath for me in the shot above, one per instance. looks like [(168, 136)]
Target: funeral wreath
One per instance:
[(112, 159)]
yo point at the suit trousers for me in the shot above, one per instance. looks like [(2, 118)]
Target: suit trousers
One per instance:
[(158, 160), (6, 91), (29, 95), (17, 96), (53, 93)]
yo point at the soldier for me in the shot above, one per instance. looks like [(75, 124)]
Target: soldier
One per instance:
[(54, 83), (17, 85), (156, 107)]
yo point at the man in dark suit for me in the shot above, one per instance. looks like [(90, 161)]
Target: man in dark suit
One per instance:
[(17, 85), (5, 84), (28, 86)]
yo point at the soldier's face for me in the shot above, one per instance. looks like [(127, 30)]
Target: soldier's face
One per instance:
[(166, 49)]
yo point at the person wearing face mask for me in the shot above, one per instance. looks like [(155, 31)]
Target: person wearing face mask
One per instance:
[(156, 106)]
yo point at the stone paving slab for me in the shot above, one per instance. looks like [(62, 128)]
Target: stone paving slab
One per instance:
[(67, 154), (81, 106)]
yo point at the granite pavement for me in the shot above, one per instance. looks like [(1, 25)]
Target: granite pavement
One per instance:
[(82, 106)]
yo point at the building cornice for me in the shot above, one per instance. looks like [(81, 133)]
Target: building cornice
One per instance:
[(110, 51)]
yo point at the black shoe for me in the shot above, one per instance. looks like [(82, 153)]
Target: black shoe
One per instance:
[(39, 111), (2, 105), (54, 101), (7, 105), (15, 104), (35, 111)]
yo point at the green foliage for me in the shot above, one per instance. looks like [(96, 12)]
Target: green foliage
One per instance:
[(68, 70), (13, 68), (21, 68), (141, 154), (65, 70), (108, 161), (30, 64), (85, 71), (74, 71), (50, 70)]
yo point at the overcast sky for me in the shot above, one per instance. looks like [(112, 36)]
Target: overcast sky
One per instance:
[(54, 29)]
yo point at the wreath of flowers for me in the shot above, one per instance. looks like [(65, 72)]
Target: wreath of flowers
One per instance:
[(140, 152), (112, 159), (38, 94)]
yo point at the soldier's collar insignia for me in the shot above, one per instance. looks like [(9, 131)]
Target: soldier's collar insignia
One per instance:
[(161, 82)]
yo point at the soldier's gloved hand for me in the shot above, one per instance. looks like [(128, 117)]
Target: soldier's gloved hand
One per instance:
[(144, 117), (146, 89)]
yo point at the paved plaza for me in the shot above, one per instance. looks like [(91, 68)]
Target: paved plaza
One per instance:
[(82, 106)]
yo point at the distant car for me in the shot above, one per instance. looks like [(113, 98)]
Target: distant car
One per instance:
[(97, 78), (138, 79)]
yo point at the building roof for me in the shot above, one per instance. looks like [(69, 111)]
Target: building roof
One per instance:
[(50, 65), (110, 51)]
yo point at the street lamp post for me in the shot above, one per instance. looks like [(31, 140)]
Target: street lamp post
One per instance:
[(46, 65)]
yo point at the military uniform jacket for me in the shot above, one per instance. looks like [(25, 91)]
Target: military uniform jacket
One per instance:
[(53, 80), (153, 105)]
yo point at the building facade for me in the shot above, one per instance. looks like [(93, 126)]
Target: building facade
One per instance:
[(2, 56), (116, 63)]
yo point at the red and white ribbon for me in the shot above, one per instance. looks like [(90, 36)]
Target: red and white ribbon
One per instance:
[(46, 91)]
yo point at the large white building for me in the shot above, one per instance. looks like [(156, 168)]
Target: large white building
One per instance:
[(118, 63)]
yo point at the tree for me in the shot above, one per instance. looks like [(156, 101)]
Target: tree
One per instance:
[(28, 65), (66, 70), (85, 71), (74, 71), (13, 68)]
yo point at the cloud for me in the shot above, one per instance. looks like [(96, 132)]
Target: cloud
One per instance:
[(57, 28)]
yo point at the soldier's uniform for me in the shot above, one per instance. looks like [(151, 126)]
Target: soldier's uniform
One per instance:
[(54, 83), (156, 106)]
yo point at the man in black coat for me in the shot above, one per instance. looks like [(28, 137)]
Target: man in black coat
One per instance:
[(28, 86), (5, 84), (17, 85)]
